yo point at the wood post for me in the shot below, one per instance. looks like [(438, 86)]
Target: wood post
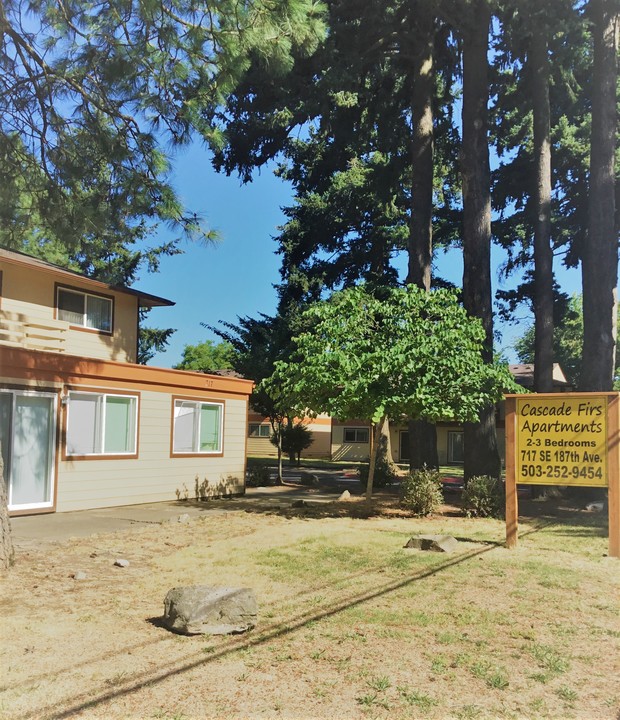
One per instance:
[(512, 504)]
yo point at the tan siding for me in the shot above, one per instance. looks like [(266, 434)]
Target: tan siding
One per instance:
[(261, 447), (349, 451), (31, 294), (442, 444), (320, 427), (154, 476)]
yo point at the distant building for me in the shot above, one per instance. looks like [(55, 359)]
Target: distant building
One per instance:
[(350, 440)]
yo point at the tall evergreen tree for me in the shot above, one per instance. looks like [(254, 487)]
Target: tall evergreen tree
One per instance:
[(600, 252), (481, 455)]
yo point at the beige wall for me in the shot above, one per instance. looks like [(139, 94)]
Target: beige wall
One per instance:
[(349, 451), (29, 294), (155, 476), (320, 427)]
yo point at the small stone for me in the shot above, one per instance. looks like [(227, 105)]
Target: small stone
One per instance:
[(433, 543), (121, 563), (79, 575), (185, 518), (345, 496), (595, 507)]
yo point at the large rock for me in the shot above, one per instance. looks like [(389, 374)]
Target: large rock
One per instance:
[(208, 610), (434, 543)]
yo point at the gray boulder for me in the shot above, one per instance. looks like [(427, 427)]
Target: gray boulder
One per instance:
[(208, 610), (306, 478), (434, 543)]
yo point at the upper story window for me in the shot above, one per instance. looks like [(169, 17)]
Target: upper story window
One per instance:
[(197, 427), (356, 435), (85, 310)]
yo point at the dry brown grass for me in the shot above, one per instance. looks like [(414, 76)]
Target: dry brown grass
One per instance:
[(351, 624)]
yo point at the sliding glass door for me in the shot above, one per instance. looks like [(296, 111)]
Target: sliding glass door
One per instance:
[(27, 442)]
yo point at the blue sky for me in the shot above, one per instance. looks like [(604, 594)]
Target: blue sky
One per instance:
[(235, 277)]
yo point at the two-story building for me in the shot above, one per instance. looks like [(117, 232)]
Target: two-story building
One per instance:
[(81, 424)]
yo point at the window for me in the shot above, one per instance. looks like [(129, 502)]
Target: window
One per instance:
[(356, 435), (101, 424), (197, 427), (258, 430), (455, 447), (89, 311)]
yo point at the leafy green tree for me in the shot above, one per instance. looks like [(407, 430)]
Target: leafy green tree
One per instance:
[(207, 357), (399, 351)]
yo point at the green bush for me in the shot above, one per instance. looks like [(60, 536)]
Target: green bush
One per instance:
[(421, 491), (484, 496), (258, 476), (385, 473)]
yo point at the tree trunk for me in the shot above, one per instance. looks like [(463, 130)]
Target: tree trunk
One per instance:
[(420, 247), (7, 554), (599, 262), (422, 445), (543, 253), (385, 445), (376, 441), (278, 424), (481, 455), (422, 435)]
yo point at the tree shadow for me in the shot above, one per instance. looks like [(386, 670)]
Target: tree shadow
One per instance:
[(84, 701)]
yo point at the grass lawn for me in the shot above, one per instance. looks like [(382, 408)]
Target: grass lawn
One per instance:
[(352, 625)]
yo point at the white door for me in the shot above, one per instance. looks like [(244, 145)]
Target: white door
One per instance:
[(27, 435)]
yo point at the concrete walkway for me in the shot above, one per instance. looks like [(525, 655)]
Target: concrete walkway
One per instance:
[(34, 530)]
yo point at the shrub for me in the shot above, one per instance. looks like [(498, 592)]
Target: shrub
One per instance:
[(258, 476), (484, 496), (385, 473), (421, 491), (295, 439)]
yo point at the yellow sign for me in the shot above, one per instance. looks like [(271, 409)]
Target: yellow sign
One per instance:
[(561, 441)]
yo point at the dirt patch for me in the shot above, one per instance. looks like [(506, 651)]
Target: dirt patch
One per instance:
[(351, 624)]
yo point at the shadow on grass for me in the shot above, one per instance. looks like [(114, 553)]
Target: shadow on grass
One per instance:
[(85, 701)]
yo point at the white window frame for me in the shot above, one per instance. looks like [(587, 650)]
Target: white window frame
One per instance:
[(196, 427), (259, 430), (103, 395), (356, 431), (85, 296), (14, 393), (451, 436)]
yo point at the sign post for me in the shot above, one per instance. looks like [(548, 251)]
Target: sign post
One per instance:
[(563, 439)]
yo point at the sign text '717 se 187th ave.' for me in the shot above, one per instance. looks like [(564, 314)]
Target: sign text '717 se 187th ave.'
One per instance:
[(561, 440)]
